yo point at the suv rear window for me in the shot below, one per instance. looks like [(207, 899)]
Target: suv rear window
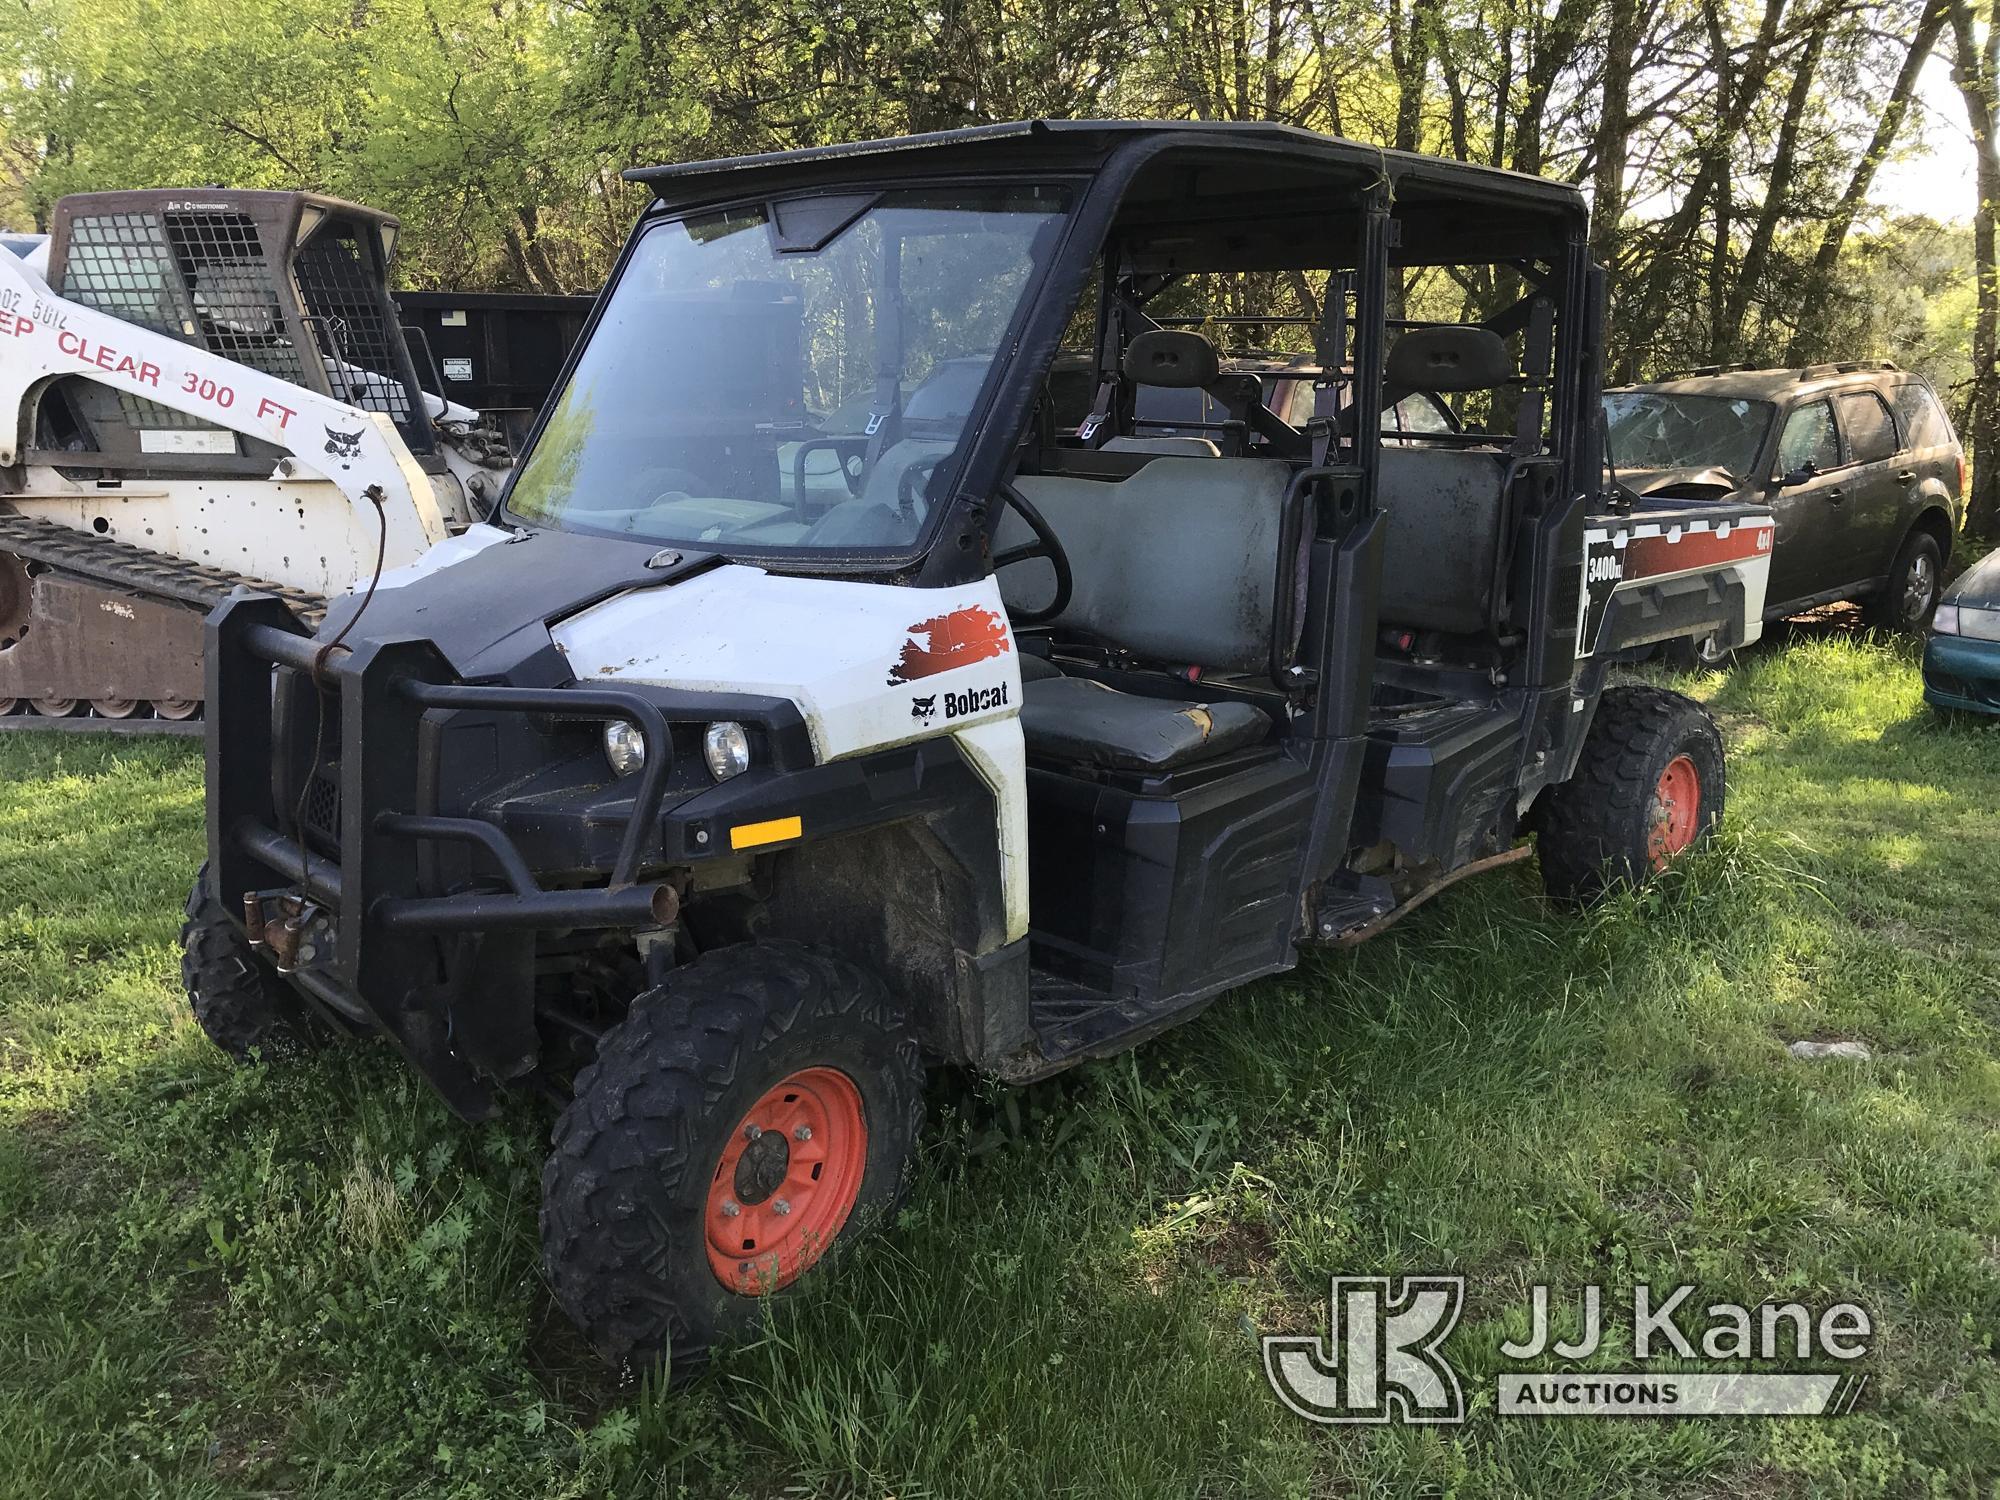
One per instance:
[(1871, 435), (1923, 419)]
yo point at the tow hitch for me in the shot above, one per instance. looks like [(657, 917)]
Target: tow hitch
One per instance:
[(284, 928)]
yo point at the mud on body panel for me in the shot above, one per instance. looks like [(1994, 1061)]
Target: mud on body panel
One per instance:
[(869, 665), (1646, 552)]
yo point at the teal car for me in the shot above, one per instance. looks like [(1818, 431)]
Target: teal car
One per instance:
[(1962, 656)]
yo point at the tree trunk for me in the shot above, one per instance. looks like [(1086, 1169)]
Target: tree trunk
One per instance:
[(1275, 89), (1834, 236), (1974, 68), (1718, 269), (1410, 57), (1328, 78), (1710, 184), (1239, 54), (1552, 52), (1614, 130), (1777, 189)]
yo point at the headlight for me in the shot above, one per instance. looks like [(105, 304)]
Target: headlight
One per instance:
[(726, 748), (624, 747), (1977, 624)]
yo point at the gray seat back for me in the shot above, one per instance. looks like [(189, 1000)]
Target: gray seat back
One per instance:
[(1168, 447), (1442, 512), (1179, 562)]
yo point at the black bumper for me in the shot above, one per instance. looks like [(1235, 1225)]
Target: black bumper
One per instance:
[(447, 973)]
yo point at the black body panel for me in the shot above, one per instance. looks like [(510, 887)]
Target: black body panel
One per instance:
[(1150, 891), (489, 613), (497, 352)]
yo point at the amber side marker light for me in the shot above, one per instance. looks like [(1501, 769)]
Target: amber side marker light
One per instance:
[(753, 835)]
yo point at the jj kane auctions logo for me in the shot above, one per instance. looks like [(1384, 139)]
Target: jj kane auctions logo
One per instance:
[(1382, 1359)]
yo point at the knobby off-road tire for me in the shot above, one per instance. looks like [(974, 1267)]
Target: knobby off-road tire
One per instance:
[(243, 1009), (764, 1074), (1648, 785), (1916, 579)]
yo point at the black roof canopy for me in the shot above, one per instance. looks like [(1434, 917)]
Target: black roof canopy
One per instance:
[(1058, 145)]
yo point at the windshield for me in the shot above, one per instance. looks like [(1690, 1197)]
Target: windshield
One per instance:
[(1652, 431), (797, 377)]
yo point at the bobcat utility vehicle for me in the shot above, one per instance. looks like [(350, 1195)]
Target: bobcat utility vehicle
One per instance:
[(722, 802)]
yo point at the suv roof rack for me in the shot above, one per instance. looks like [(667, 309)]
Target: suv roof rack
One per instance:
[(1847, 367)]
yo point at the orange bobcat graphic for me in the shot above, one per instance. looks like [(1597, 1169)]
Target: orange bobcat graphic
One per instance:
[(950, 641)]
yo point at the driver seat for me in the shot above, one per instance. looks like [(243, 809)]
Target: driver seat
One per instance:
[(1178, 564), (1080, 720)]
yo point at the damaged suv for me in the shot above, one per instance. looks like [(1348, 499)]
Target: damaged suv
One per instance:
[(1858, 462)]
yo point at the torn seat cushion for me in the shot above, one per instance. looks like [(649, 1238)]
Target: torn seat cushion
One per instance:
[(1075, 719)]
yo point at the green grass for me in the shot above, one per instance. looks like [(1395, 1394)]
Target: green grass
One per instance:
[(311, 1280)]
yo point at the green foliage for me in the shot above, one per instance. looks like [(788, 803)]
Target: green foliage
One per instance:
[(497, 128), (311, 1279)]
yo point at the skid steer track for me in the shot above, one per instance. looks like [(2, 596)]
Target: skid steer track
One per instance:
[(102, 560), (124, 569)]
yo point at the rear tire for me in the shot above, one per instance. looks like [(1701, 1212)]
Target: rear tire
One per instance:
[(245, 1010), (1648, 786), (661, 1198), (1910, 597)]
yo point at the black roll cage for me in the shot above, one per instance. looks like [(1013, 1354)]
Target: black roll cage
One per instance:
[(1100, 162)]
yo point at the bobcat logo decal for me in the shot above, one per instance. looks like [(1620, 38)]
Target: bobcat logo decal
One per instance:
[(344, 444), (923, 710), (948, 642)]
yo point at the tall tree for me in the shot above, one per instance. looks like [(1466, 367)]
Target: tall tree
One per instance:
[(1749, 275), (1614, 129), (1976, 67), (1833, 235)]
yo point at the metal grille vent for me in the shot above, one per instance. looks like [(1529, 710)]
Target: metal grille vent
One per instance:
[(322, 803), (346, 311), (142, 412), (234, 296)]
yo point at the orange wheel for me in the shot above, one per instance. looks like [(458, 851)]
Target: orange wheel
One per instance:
[(759, 1106), (787, 1181), (1676, 811), (1648, 785)]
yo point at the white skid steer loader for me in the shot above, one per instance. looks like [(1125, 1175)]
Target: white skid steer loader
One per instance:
[(210, 388)]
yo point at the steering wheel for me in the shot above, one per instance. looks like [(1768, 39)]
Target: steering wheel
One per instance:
[(909, 489), (847, 451), (1044, 545)]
